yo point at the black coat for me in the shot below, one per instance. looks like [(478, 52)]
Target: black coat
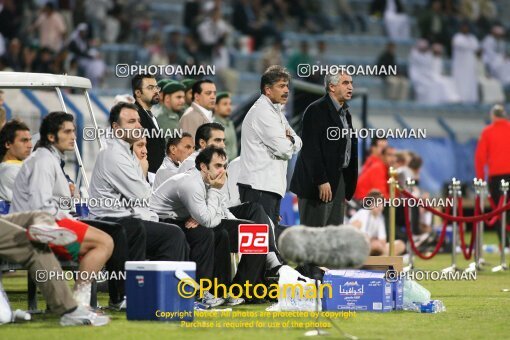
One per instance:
[(321, 158), (155, 145)]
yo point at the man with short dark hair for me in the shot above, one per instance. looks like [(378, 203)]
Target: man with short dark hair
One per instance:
[(376, 176), (267, 144), (207, 134), (375, 156), (213, 134), (146, 93), (222, 112), (42, 184), (171, 107), (194, 201), (118, 176), (200, 111), (177, 150), (15, 147)]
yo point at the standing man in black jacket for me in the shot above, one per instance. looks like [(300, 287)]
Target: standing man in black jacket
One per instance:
[(326, 170), (146, 93)]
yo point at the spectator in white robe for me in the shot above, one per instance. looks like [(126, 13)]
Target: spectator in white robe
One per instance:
[(420, 64), (491, 89), (465, 45), (494, 49), (444, 89), (396, 22)]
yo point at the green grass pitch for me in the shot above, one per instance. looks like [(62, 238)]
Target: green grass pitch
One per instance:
[(475, 310)]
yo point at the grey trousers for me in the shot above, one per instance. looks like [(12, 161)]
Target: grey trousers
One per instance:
[(316, 213), (15, 247)]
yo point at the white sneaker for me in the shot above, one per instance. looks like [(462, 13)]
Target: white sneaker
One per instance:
[(82, 294), (84, 316), (212, 300), (50, 234), (231, 301)]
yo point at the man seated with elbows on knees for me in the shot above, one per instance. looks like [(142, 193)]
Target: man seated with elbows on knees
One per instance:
[(371, 222), (213, 134), (194, 201), (178, 148), (118, 176), (41, 184)]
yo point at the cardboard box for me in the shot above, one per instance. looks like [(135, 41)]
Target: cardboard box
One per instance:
[(384, 263), (358, 290)]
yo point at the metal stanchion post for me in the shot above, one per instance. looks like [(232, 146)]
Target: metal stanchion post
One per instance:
[(481, 225), (504, 190), (480, 189), (393, 184), (455, 192), (409, 185)]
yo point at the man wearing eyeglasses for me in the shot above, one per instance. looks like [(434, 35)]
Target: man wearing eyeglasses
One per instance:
[(146, 93)]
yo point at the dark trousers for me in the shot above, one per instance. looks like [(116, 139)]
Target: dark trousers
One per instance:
[(494, 183), (316, 213), (201, 242), (251, 267), (163, 242), (226, 238), (129, 245), (270, 201)]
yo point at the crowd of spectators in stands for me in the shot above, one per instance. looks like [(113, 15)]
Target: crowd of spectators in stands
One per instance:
[(62, 36)]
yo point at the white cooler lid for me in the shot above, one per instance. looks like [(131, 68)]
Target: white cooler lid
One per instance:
[(160, 265)]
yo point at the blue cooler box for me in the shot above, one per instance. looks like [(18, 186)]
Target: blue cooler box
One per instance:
[(151, 290), (358, 290)]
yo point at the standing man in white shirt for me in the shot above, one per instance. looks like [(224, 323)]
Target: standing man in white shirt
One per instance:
[(201, 109), (267, 144)]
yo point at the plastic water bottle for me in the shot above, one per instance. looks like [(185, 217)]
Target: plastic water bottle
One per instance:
[(490, 248), (433, 306)]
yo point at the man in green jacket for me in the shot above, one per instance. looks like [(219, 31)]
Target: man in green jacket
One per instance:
[(171, 107), (222, 112), (188, 84)]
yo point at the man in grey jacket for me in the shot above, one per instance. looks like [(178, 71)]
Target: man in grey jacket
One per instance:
[(267, 144), (41, 184), (194, 201), (118, 177)]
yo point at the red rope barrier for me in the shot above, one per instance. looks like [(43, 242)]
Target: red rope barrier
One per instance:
[(410, 236), (483, 217), (491, 222)]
